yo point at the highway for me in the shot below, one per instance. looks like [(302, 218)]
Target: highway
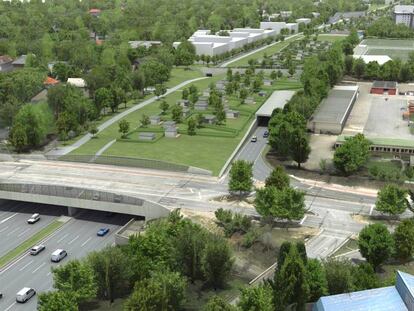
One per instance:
[(14, 228), (78, 237)]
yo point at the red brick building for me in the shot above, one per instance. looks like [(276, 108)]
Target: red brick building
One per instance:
[(384, 88)]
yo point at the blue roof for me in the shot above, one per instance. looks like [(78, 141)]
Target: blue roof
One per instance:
[(396, 298)]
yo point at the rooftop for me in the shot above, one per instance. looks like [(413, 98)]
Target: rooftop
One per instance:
[(385, 84), (404, 9), (380, 59), (278, 99), (399, 297), (333, 108), (384, 141), (21, 60)]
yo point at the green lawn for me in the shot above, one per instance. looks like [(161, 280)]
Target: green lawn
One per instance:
[(36, 238), (269, 51), (208, 150), (331, 38), (179, 75)]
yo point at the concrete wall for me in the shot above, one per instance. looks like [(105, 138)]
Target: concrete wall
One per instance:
[(149, 210)]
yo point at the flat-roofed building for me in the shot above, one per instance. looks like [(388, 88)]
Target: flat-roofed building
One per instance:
[(333, 111), (278, 99), (384, 88), (403, 14)]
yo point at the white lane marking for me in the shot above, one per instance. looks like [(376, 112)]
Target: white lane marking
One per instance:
[(6, 219), (5, 228), (77, 237), (13, 231), (35, 270), (191, 190), (11, 306), (371, 209), (84, 243), (199, 195), (62, 238), (303, 220), (49, 273), (26, 265), (25, 231)]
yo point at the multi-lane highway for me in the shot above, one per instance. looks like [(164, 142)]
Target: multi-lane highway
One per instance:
[(78, 237)]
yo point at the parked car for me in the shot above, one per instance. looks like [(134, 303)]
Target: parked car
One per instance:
[(37, 249), (35, 218), (1, 295), (25, 294), (254, 139), (266, 134), (102, 231), (58, 255)]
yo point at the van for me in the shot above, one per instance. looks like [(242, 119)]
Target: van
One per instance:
[(33, 219), (25, 294), (58, 255)]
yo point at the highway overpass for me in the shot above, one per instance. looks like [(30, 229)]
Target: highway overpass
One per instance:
[(75, 198)]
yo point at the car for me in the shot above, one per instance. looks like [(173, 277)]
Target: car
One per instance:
[(37, 249), (1, 295), (25, 294), (254, 139), (102, 231), (35, 218), (58, 255), (266, 134)]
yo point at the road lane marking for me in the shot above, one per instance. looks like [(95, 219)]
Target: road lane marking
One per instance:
[(35, 270), (49, 273), (84, 243), (62, 238), (77, 237), (26, 265), (13, 231), (25, 231), (6, 219), (5, 228), (11, 306)]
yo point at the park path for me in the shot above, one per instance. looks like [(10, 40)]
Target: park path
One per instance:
[(255, 51), (60, 151)]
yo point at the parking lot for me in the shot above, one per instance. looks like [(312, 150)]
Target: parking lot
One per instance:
[(78, 237)]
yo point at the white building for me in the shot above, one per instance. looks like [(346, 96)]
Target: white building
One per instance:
[(285, 14), (403, 14), (303, 21), (278, 26), (380, 59)]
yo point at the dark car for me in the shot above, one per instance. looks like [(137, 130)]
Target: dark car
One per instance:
[(266, 134), (102, 231)]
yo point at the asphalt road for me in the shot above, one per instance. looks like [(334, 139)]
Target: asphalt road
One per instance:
[(78, 237), (14, 228)]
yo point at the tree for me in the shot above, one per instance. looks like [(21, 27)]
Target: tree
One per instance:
[(241, 176), (273, 75), (123, 128), (217, 262), (112, 272), (154, 72), (216, 303), (177, 113), (258, 298), (163, 291), (287, 203), (164, 106), (220, 113), (352, 154), (291, 286), (192, 124), (75, 278), (243, 95), (93, 130), (145, 120), (34, 126), (392, 200), (160, 90), (57, 301), (404, 239), (339, 276), (185, 94), (278, 178), (359, 68), (364, 277), (18, 137), (316, 277), (185, 54), (349, 64), (375, 244), (300, 149), (103, 99)]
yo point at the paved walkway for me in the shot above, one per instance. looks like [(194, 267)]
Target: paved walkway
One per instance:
[(255, 51), (65, 150)]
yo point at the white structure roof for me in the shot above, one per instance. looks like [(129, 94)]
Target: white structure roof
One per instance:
[(78, 82), (404, 9), (380, 59), (278, 99)]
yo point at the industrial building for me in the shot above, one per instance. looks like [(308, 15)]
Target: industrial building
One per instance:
[(384, 87), (399, 297), (331, 116), (206, 43), (278, 99)]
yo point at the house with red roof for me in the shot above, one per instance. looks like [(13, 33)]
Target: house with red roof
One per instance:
[(95, 12)]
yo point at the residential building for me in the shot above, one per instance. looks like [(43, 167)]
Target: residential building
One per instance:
[(20, 62), (6, 63), (285, 14), (399, 297), (403, 14), (303, 21), (384, 88)]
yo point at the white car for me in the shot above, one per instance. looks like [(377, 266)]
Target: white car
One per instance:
[(25, 294), (35, 218), (58, 255), (37, 249)]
